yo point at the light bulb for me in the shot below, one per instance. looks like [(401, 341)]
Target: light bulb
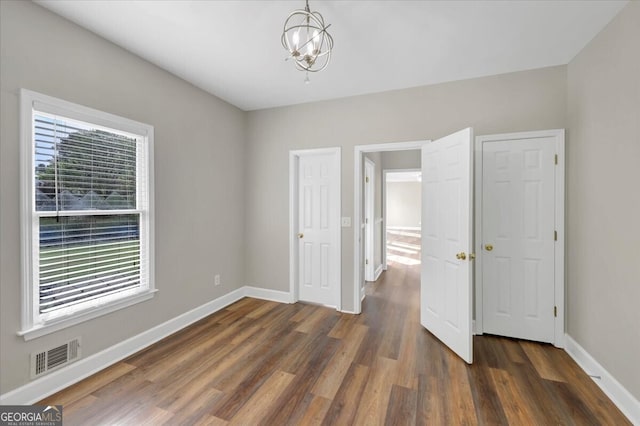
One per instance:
[(296, 38), (315, 41)]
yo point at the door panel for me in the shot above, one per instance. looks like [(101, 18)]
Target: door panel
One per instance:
[(445, 297), (318, 216), (518, 202)]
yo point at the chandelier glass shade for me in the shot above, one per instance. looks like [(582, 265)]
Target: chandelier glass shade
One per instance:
[(306, 39)]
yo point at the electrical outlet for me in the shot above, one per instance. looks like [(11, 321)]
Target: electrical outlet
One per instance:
[(216, 279)]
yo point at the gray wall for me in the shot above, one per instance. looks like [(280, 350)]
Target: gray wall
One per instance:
[(603, 198), (409, 159), (529, 100), (404, 206), (199, 174)]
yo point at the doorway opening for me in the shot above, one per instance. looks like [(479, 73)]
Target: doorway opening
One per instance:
[(370, 244), (402, 197), (446, 292)]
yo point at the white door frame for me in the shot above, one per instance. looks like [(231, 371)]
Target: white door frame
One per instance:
[(559, 292), (384, 210), (369, 210), (294, 158), (359, 150)]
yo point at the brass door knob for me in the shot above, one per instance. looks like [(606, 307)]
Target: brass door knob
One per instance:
[(300, 235), (488, 247), (461, 256)]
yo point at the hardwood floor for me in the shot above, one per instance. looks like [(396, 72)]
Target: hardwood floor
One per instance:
[(260, 362)]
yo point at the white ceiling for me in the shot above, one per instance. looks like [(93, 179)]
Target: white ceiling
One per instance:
[(232, 48)]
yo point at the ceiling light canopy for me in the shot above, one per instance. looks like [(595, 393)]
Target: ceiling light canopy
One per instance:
[(306, 39)]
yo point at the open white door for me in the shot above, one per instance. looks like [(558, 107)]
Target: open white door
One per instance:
[(446, 286)]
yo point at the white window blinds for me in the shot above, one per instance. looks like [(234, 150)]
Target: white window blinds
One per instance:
[(79, 167), (90, 203)]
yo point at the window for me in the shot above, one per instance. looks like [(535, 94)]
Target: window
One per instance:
[(87, 213)]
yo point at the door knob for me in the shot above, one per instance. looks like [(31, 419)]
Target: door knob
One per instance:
[(488, 247), (300, 235), (461, 256)]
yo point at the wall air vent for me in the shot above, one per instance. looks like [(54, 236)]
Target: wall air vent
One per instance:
[(46, 361)]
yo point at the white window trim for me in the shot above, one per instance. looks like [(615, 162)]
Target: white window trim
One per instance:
[(28, 100)]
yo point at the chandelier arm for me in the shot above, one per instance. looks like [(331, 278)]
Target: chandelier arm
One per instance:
[(326, 39)]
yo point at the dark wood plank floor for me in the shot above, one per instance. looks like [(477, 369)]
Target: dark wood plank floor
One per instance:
[(260, 362)]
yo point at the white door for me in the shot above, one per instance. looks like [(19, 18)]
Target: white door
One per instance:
[(445, 292), (318, 228), (518, 208), (369, 219)]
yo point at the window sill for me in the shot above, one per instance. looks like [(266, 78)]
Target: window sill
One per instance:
[(60, 323)]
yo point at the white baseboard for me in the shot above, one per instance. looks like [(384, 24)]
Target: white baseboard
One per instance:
[(266, 294), (41, 388), (378, 271), (618, 394)]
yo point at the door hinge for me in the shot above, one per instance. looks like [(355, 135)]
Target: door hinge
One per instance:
[(555, 235), (366, 220), (366, 179), (366, 261), (556, 159), (555, 311)]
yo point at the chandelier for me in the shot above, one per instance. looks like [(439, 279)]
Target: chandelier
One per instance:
[(306, 39)]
